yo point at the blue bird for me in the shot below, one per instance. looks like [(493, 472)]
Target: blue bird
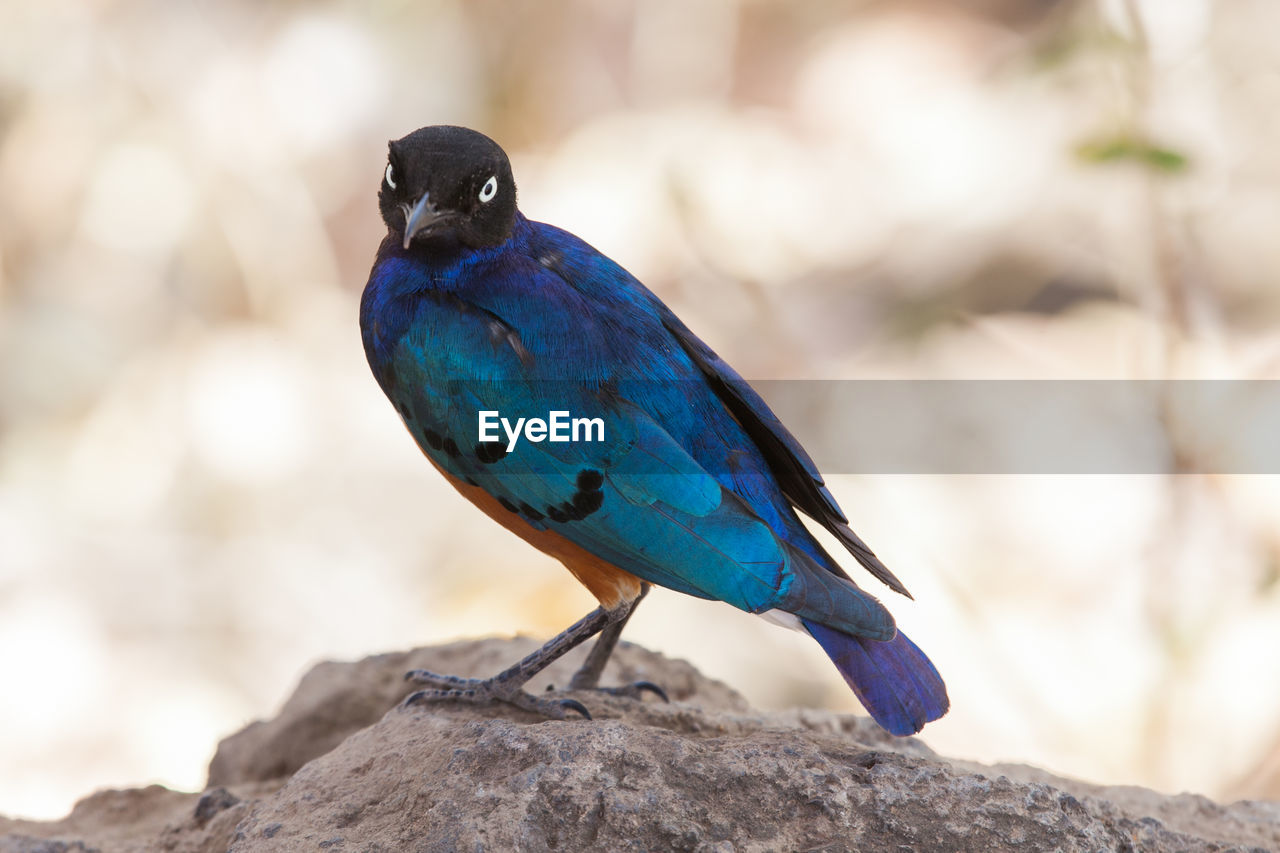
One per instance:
[(475, 319)]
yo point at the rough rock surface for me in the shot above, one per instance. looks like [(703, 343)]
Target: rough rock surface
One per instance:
[(336, 770)]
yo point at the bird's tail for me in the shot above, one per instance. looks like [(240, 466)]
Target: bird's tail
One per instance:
[(892, 678)]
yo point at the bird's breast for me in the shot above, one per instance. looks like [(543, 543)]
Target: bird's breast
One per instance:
[(611, 585)]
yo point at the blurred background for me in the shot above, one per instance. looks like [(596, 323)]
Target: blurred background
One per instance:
[(203, 491)]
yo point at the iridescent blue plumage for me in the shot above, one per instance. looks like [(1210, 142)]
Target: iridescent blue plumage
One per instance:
[(695, 484)]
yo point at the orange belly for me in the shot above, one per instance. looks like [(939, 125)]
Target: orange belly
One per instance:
[(611, 586)]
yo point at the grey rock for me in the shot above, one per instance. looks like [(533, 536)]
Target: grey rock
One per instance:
[(336, 770)]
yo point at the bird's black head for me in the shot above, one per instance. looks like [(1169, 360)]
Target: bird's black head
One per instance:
[(448, 185)]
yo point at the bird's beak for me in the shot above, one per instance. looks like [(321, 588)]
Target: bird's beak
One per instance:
[(420, 217)]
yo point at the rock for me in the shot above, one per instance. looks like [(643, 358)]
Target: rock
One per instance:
[(335, 700), (336, 770)]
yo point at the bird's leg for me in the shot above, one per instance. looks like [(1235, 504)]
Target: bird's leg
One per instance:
[(507, 686), (588, 675)]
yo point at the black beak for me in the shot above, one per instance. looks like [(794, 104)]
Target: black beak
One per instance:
[(420, 217)]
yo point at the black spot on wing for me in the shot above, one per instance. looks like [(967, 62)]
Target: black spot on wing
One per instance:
[(489, 452), (521, 508), (590, 480), (436, 441), (588, 502), (584, 502)]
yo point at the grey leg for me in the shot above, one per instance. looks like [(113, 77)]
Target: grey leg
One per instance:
[(588, 675)]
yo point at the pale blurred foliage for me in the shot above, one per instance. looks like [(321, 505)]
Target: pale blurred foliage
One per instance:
[(202, 490)]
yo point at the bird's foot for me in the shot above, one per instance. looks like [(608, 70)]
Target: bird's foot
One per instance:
[(483, 690), (584, 680), (634, 690)]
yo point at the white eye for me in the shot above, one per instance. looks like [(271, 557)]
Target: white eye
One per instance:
[(490, 189), (391, 177)]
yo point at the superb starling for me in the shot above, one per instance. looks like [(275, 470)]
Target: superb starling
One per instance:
[(681, 475)]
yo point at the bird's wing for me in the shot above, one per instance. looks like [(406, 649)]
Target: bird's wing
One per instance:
[(604, 282), (795, 471)]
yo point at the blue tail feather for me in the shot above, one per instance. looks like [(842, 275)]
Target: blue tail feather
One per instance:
[(893, 679)]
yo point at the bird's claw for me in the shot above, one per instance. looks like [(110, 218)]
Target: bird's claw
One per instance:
[(575, 705), (635, 690), (484, 690)]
